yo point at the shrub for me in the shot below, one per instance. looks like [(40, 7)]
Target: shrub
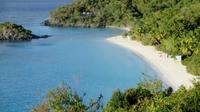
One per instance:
[(63, 99), (193, 64)]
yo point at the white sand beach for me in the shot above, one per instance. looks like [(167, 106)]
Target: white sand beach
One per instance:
[(170, 71)]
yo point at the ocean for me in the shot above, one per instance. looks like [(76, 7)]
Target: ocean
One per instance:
[(79, 57)]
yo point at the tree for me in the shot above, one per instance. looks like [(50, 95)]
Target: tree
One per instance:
[(63, 99)]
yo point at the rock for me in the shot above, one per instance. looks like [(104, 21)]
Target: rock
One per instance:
[(14, 32), (46, 23), (38, 37)]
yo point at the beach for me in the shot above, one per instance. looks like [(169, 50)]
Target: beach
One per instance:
[(169, 71)]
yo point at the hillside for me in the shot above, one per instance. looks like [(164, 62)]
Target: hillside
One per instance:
[(94, 13), (172, 26)]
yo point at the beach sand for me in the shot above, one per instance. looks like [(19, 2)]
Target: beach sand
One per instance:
[(171, 72)]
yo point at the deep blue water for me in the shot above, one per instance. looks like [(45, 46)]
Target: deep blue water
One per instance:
[(80, 57)]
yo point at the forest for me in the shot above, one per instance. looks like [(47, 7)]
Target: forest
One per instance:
[(172, 26)]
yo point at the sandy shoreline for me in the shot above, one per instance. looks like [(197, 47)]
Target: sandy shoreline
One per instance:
[(171, 72)]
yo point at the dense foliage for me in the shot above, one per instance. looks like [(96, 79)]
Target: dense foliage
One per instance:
[(95, 13), (157, 99), (146, 97), (63, 99), (173, 26), (13, 32)]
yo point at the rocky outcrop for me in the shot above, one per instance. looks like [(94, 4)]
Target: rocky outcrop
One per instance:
[(14, 32)]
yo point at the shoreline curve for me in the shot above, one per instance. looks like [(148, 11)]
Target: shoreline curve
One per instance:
[(169, 71)]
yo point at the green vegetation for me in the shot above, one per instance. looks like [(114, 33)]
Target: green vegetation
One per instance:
[(150, 97), (63, 99), (173, 26), (146, 97), (94, 13), (14, 32)]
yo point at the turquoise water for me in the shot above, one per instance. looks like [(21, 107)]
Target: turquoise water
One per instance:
[(82, 58)]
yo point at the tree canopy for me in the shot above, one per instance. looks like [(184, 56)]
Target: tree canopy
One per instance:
[(146, 97), (173, 26), (95, 13)]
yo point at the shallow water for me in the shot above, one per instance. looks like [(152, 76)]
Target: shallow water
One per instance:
[(80, 57)]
